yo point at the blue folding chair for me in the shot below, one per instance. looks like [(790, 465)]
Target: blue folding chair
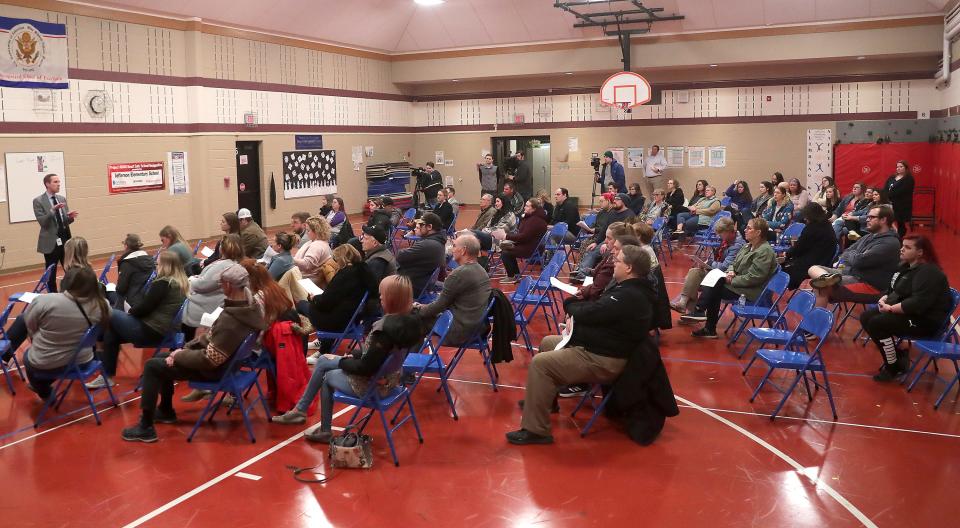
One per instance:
[(402, 228), (946, 347), (659, 225), (597, 409), (428, 359), (5, 347), (75, 372), (146, 285), (542, 293), (196, 248), (41, 285), (172, 340), (778, 333), (818, 322), (535, 258), (478, 342), (708, 238), (525, 296), (555, 240), (452, 228), (791, 232), (353, 331), (376, 402), (759, 310), (106, 269), (427, 294), (235, 382)]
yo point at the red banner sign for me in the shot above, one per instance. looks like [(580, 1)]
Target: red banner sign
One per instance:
[(135, 177)]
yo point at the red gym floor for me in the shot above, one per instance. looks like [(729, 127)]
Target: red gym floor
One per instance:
[(888, 460)]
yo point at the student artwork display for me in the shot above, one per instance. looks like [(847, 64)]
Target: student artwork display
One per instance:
[(819, 156), (135, 177), (696, 157), (635, 157), (674, 156), (718, 157), (309, 173), (618, 154)]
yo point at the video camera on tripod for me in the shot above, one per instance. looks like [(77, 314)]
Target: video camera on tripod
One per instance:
[(595, 163)]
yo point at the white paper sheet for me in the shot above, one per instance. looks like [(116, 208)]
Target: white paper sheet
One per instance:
[(267, 256), (711, 279), (207, 319), (111, 287), (587, 281), (28, 297), (566, 335), (310, 287), (206, 252), (563, 286)]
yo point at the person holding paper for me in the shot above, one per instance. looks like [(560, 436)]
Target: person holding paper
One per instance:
[(720, 258), (654, 166), (315, 252), (618, 236), (205, 294), (148, 320), (750, 271), (172, 240), (54, 218), (605, 332)]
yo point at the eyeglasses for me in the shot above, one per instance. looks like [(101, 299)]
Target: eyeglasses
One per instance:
[(872, 217)]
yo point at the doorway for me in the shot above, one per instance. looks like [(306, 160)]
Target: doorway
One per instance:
[(537, 152), (248, 178)]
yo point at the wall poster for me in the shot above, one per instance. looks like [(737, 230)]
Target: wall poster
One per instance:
[(309, 173)]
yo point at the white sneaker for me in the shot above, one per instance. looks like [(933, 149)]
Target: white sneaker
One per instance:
[(100, 382), (312, 359), (314, 345)]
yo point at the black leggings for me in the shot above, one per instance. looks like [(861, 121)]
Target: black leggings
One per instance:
[(710, 301), (158, 380), (883, 327)]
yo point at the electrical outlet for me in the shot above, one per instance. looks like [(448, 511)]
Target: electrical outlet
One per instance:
[(3, 249)]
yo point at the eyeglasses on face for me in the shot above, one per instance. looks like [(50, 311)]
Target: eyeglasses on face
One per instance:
[(872, 217)]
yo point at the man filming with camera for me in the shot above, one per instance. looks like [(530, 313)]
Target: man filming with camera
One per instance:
[(611, 172)]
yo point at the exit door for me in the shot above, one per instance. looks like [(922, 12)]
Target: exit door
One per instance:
[(248, 178)]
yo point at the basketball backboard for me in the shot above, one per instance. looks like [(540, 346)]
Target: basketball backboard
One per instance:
[(625, 90)]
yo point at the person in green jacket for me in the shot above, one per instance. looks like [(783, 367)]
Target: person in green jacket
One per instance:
[(752, 268)]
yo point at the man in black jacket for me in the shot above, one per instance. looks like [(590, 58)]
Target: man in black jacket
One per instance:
[(432, 183), (605, 331), (429, 253), (565, 211), (523, 178)]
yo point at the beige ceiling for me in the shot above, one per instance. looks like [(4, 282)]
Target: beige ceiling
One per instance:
[(401, 26)]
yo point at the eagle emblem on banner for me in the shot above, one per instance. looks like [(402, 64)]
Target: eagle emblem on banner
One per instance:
[(26, 46)]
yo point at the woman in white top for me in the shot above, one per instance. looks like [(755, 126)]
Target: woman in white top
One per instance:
[(314, 253)]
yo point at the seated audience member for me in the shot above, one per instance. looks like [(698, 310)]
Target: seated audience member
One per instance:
[(351, 374), (325, 205), (779, 211), (75, 255), (205, 294), (252, 237), (675, 200), (798, 195), (612, 188), (854, 208), (857, 222), (760, 202), (331, 310), (452, 199), (524, 242), (272, 299), (700, 213), (336, 217), (420, 260), (821, 196), (298, 227), (830, 201), (644, 234), (740, 197), (605, 331), (616, 211), (201, 359), (133, 271), (378, 257), (466, 292), (816, 246), (868, 264), (656, 207), (636, 198), (55, 323), (617, 238), (849, 202), (545, 202), (486, 212), (283, 243), (315, 252), (721, 258), (229, 225), (329, 268), (386, 216), (512, 198), (698, 193), (915, 306), (148, 320), (172, 240), (503, 219), (443, 209), (565, 211), (750, 271)]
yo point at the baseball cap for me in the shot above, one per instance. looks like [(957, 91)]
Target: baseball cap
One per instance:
[(244, 213), (376, 232), (236, 275), (608, 154), (608, 196), (623, 197), (386, 200)]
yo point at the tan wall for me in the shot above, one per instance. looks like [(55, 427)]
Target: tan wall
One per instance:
[(104, 218), (754, 152)]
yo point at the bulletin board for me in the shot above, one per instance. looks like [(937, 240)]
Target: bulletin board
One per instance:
[(25, 172)]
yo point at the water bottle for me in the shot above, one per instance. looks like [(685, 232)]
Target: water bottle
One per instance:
[(742, 301)]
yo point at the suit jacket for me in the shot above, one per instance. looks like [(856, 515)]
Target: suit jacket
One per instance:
[(43, 210)]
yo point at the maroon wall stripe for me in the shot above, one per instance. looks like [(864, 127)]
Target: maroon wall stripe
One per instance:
[(172, 128)]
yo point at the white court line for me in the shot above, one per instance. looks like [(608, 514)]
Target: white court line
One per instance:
[(225, 475), (52, 429), (247, 476), (811, 475)]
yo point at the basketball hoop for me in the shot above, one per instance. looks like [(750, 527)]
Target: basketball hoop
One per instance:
[(624, 90)]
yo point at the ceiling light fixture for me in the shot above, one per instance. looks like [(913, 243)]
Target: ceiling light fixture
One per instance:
[(568, 73), (861, 57), (713, 65), (428, 2), (454, 80)]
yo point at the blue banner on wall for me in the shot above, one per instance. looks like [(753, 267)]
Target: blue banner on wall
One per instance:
[(33, 54), (307, 142)]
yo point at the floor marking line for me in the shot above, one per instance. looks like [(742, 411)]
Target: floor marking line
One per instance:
[(247, 476), (812, 477), (75, 420), (225, 475)]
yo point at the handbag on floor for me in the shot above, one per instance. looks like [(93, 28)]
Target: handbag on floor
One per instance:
[(351, 450)]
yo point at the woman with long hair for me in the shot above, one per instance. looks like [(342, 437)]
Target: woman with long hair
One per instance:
[(205, 294), (149, 320), (816, 245), (899, 189), (798, 194), (172, 240), (229, 225), (916, 306), (268, 294), (779, 211), (283, 243), (133, 271), (337, 216), (825, 183), (759, 203), (352, 374), (75, 255), (315, 252), (830, 201)]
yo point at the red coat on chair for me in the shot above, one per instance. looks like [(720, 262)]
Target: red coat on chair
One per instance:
[(286, 347)]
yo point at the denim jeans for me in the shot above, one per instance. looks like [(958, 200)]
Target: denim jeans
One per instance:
[(42, 380), (334, 380), (320, 370), (17, 334), (588, 261), (125, 328)]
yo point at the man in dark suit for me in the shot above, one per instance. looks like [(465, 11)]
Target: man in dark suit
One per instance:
[(54, 218)]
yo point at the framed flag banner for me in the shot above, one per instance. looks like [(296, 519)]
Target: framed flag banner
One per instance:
[(33, 54), (135, 177), (309, 173)]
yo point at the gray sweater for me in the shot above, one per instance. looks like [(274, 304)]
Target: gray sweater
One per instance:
[(205, 293), (873, 259), (466, 292), (56, 325)]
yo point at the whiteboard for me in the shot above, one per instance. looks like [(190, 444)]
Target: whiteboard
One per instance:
[(25, 172)]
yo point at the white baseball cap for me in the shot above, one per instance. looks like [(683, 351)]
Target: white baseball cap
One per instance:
[(244, 213)]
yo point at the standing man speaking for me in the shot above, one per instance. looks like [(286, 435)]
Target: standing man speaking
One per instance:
[(653, 167), (54, 218)]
